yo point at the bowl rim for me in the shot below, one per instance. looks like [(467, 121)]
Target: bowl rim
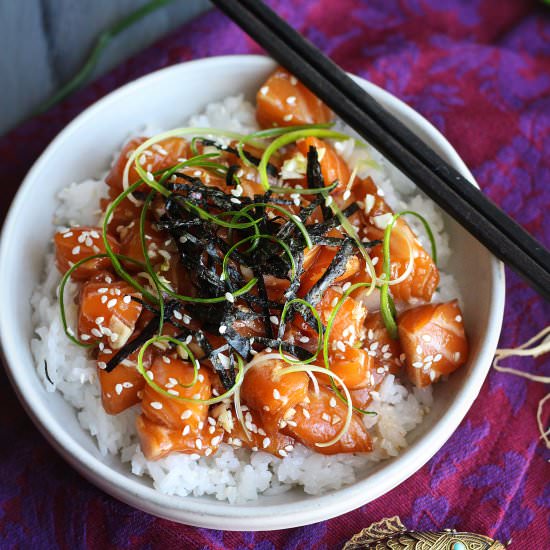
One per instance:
[(217, 514)]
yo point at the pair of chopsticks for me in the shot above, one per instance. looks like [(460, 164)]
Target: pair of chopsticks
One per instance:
[(505, 238)]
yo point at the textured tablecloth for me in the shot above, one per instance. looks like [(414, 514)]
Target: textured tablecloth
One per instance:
[(480, 71)]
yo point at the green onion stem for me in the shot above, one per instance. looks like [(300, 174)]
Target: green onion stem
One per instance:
[(141, 369), (326, 339), (387, 307), (320, 328), (63, 284), (102, 42)]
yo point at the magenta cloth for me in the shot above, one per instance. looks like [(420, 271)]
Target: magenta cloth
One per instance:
[(480, 71)]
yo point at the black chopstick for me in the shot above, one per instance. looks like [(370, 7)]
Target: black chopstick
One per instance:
[(516, 255), (397, 129)]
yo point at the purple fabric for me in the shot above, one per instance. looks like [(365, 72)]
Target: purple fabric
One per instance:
[(480, 71)]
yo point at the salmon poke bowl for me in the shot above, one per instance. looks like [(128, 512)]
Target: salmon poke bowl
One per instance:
[(227, 309)]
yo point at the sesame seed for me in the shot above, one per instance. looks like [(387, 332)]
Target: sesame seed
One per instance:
[(276, 394), (96, 333), (186, 430), (437, 357), (112, 303), (458, 318), (346, 195), (222, 329), (215, 440), (99, 320), (75, 250), (332, 402), (118, 389), (274, 319), (288, 117), (156, 405), (102, 364), (293, 80), (238, 191), (419, 349), (198, 443), (325, 417), (306, 413), (67, 234), (208, 452), (173, 392), (229, 297), (265, 443), (426, 338), (282, 452), (264, 90), (127, 299), (291, 100), (456, 356)]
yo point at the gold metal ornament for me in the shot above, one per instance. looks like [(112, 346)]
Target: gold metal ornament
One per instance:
[(390, 533)]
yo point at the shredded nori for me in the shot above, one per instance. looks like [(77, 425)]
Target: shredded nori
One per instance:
[(336, 268), (314, 176), (202, 246)]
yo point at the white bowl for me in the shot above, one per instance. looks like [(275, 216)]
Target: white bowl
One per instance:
[(84, 149)]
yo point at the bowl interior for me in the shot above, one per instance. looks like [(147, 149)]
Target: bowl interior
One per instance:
[(83, 150)]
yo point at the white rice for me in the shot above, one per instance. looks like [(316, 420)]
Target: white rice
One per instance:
[(236, 475)]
